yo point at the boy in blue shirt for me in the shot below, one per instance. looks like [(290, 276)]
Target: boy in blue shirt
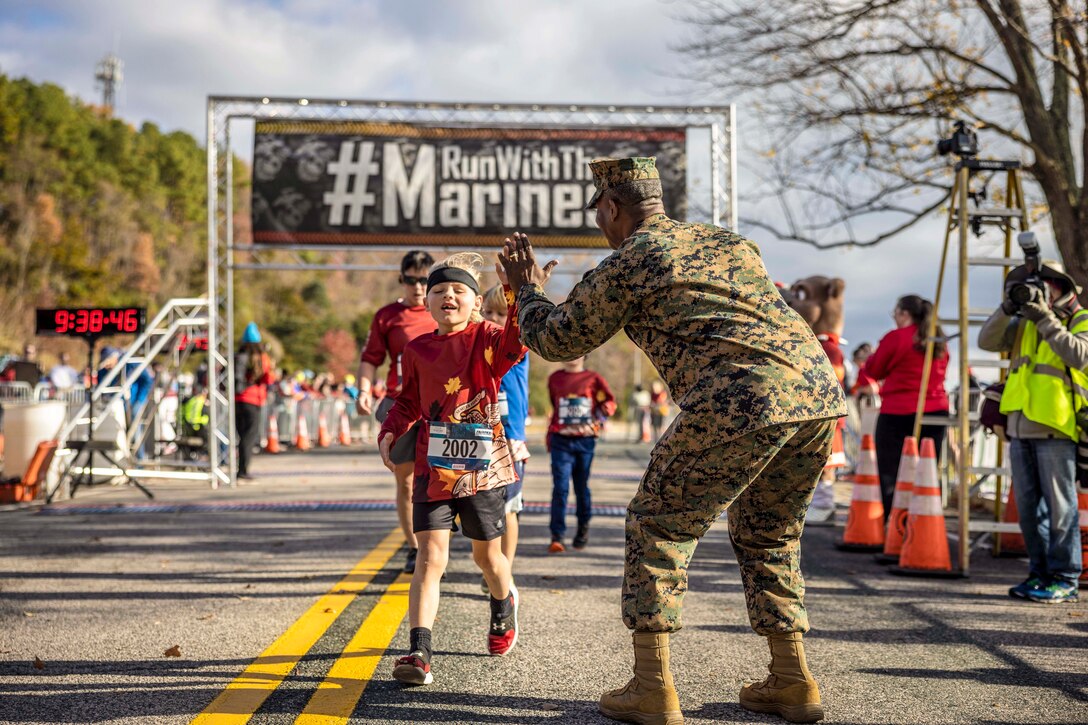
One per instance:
[(514, 409)]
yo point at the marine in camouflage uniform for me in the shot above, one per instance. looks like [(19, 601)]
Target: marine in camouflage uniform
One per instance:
[(757, 395)]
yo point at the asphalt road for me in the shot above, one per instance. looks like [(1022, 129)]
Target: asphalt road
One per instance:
[(274, 597)]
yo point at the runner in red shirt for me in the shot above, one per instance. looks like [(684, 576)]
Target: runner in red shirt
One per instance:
[(463, 462), (393, 327), (581, 400)]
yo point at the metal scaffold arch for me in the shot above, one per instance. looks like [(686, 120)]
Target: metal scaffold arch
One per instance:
[(224, 256)]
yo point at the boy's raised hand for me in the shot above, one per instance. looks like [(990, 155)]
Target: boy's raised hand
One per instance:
[(518, 260)]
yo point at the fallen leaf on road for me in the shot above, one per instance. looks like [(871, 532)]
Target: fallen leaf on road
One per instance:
[(240, 598), (1076, 614), (206, 617), (556, 591), (329, 610), (38, 664), (548, 577), (28, 614), (174, 651), (248, 586), (549, 706)]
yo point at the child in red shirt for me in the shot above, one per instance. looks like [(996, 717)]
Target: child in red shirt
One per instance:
[(451, 385), (581, 400)]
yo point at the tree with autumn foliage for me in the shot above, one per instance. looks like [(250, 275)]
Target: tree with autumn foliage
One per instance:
[(92, 210), (853, 95), (339, 353)]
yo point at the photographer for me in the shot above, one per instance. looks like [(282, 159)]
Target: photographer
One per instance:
[(1043, 326)]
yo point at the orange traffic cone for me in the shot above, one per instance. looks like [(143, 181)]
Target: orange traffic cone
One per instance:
[(302, 440), (1082, 504), (324, 440), (897, 519), (345, 430), (1011, 544), (925, 548), (272, 444), (865, 523)]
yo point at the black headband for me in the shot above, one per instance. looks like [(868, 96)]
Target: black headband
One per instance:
[(452, 274)]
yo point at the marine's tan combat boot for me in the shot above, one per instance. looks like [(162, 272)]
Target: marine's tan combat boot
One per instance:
[(790, 691), (649, 698)]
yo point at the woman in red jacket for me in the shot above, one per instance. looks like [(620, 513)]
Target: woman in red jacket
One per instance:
[(897, 365)]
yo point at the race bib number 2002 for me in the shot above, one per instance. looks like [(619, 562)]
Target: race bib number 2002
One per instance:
[(459, 446)]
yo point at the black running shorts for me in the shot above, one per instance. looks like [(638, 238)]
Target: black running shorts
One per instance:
[(483, 516), (404, 448)]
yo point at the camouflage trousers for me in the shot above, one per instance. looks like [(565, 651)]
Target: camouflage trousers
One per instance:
[(765, 479)]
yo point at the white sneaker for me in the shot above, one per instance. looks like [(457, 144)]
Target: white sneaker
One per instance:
[(820, 517)]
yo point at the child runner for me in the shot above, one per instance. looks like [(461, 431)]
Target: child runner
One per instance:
[(463, 463), (513, 409), (581, 400)]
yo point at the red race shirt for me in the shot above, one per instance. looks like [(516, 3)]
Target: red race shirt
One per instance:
[(897, 363), (451, 382), (580, 401), (393, 327)]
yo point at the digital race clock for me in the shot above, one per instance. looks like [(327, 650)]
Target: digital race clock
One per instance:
[(91, 321)]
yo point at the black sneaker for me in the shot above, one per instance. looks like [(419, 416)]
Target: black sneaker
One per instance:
[(410, 563), (502, 635), (581, 538), (414, 669)]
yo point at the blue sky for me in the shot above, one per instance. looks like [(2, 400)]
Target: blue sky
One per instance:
[(177, 53)]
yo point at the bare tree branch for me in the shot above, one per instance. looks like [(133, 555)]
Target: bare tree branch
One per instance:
[(851, 94)]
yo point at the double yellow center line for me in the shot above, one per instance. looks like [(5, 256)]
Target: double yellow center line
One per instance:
[(337, 696)]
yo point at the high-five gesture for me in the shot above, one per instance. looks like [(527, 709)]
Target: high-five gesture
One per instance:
[(518, 260)]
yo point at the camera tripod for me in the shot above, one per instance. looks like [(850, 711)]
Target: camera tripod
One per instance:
[(965, 215)]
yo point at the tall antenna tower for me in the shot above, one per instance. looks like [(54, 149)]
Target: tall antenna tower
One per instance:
[(108, 75)]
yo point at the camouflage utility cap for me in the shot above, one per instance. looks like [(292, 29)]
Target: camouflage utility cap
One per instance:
[(610, 173)]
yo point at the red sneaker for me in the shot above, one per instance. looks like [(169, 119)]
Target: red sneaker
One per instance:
[(503, 634), (556, 547), (413, 670)]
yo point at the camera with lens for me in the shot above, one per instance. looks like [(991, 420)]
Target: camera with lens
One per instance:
[(962, 142), (1031, 287)]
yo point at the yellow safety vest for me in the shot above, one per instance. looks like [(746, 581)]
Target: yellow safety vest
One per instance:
[(1041, 386)]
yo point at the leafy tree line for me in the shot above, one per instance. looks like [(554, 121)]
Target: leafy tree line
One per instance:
[(96, 212)]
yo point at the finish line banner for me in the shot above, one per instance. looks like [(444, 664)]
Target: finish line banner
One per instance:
[(370, 184)]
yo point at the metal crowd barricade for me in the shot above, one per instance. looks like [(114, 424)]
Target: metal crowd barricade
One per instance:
[(332, 418), (16, 392), (74, 398)]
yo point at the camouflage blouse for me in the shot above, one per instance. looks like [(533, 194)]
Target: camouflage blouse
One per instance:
[(698, 300)]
